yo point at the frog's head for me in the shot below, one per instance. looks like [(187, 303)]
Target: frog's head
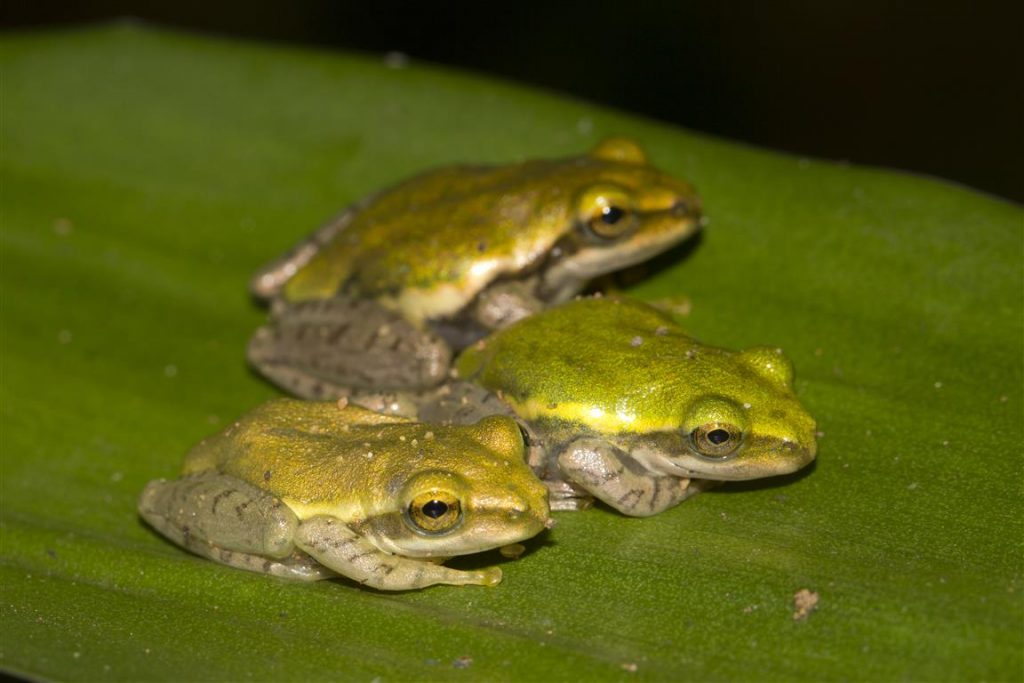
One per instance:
[(624, 211), (746, 423), (470, 491)]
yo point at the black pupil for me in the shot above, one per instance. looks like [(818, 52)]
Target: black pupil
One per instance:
[(718, 436), (612, 214), (435, 508)]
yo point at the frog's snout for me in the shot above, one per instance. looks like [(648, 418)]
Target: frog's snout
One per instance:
[(800, 454), (682, 208)]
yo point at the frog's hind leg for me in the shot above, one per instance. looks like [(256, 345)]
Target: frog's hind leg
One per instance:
[(271, 278), (618, 480), (229, 521), (324, 348), (337, 546)]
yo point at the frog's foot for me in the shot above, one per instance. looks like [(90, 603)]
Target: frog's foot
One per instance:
[(699, 486), (461, 403), (323, 348), (270, 279), (456, 402), (397, 403), (616, 479), (678, 305), (338, 547), (563, 496), (228, 521)]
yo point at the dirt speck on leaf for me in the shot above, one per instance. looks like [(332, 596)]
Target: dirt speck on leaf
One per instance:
[(804, 602)]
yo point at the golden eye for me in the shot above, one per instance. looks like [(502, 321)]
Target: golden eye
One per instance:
[(607, 212), (435, 512), (716, 439), (611, 222)]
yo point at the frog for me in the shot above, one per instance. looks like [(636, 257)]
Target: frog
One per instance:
[(383, 296), (312, 490), (619, 404)]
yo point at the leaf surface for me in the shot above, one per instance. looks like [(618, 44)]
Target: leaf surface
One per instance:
[(147, 174)]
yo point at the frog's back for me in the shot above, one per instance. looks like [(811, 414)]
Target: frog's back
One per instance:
[(649, 368), (326, 457), (451, 232), (557, 354), (433, 229), (301, 449)]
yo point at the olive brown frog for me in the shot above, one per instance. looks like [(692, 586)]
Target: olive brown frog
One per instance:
[(380, 297), (312, 490)]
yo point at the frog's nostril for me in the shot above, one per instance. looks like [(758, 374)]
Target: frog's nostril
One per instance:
[(680, 208), (518, 509)]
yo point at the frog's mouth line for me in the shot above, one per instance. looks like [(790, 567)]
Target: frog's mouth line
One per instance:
[(571, 264), (777, 460)]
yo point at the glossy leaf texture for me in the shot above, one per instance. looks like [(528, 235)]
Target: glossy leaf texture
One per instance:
[(146, 174)]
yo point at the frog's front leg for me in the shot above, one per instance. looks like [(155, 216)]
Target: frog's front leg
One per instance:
[(338, 547), (504, 303), (321, 349), (613, 477), (229, 521)]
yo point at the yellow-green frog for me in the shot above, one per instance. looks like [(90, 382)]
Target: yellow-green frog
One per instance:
[(621, 405), (310, 490), (380, 296)]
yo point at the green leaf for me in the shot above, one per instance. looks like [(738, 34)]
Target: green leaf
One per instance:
[(147, 174)]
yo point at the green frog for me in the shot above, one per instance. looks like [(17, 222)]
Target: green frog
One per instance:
[(312, 490), (618, 403), (381, 296)]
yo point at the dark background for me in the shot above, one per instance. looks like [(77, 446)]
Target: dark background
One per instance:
[(933, 87)]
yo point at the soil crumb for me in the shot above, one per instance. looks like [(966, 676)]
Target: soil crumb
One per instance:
[(804, 602)]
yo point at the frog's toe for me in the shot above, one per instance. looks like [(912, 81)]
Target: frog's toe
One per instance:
[(149, 496), (490, 576)]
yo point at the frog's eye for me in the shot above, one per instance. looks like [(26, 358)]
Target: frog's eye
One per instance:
[(610, 222), (435, 512), (716, 439), (607, 212)]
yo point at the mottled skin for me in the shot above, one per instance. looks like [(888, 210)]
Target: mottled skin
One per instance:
[(442, 259), (311, 490), (620, 404)]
